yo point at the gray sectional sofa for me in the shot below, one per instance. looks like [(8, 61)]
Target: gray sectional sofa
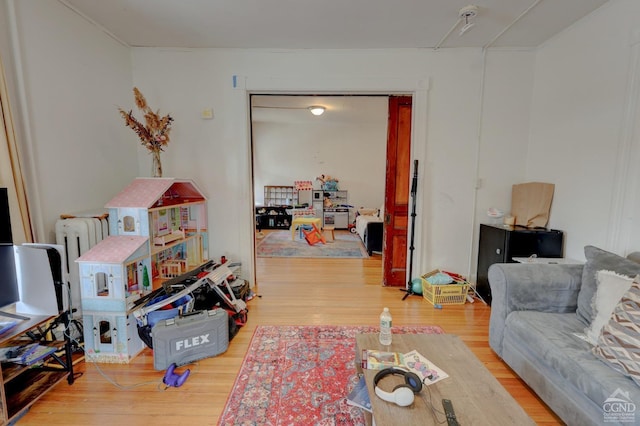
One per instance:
[(538, 313)]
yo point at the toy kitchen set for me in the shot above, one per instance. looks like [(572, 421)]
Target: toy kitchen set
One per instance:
[(332, 207)]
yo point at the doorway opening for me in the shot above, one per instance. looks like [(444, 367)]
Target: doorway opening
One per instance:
[(348, 142)]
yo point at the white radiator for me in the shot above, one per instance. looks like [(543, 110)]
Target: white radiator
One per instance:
[(78, 235)]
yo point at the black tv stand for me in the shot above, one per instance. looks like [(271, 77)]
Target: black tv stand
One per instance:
[(14, 316), (22, 385)]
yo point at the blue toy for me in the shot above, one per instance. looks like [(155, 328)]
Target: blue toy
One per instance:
[(416, 285)]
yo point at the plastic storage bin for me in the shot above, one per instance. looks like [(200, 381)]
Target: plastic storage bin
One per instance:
[(444, 294)]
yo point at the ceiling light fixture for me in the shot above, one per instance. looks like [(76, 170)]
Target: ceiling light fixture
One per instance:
[(468, 14), (317, 109)]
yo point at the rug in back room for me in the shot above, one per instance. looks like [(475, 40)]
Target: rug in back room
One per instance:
[(300, 375), (279, 244)]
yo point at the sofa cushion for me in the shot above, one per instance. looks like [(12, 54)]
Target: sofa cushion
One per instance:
[(550, 339), (598, 259), (619, 343), (611, 288)]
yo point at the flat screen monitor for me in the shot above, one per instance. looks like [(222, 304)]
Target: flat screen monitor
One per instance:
[(8, 279), (5, 221), (9, 289)]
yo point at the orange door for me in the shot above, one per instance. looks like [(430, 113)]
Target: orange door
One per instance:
[(396, 198)]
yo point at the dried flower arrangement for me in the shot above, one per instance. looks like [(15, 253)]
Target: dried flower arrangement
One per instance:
[(155, 134)]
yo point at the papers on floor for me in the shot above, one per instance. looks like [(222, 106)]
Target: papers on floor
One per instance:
[(413, 361)]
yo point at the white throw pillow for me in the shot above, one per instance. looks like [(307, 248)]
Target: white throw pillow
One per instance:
[(611, 287)]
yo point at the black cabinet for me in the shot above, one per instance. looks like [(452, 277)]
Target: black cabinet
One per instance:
[(273, 217), (501, 243)]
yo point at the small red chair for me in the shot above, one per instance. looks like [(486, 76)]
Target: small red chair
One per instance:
[(314, 236)]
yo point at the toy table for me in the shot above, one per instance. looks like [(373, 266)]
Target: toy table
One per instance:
[(304, 221)]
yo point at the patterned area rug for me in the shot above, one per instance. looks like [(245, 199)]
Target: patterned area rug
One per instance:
[(279, 244), (300, 375)]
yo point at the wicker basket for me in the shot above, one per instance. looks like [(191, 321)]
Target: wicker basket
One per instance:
[(444, 294)]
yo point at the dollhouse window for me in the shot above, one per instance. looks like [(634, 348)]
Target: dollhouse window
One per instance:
[(132, 278), (102, 284), (129, 224), (105, 332)]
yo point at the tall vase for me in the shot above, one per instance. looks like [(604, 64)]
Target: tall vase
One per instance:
[(156, 170)]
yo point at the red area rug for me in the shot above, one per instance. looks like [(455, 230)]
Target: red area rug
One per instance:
[(300, 375)]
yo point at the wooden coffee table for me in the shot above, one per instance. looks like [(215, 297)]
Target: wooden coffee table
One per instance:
[(477, 397)]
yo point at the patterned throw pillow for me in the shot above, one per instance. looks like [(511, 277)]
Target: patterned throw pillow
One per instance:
[(619, 343), (611, 288)]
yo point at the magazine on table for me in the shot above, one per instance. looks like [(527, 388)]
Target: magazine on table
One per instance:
[(359, 396), (373, 359), (428, 372)]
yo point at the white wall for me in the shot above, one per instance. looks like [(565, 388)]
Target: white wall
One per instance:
[(504, 133), (216, 153), (352, 151), (78, 153), (6, 176), (582, 131)]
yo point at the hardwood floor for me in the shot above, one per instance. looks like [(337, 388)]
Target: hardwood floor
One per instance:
[(291, 291)]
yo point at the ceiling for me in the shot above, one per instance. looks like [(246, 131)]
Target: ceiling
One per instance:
[(331, 24), (339, 109)]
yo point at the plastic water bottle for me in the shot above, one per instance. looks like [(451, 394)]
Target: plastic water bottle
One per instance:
[(385, 327)]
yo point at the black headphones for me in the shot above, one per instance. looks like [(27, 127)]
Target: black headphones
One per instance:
[(402, 394)]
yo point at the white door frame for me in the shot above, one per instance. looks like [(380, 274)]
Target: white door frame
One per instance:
[(245, 86)]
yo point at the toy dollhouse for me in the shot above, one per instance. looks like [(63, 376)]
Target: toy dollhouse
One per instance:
[(172, 213), (113, 274), (158, 231)]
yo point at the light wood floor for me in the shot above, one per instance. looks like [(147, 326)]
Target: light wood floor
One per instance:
[(292, 291)]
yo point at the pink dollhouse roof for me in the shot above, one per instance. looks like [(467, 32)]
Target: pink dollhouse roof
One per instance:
[(113, 249), (145, 192)]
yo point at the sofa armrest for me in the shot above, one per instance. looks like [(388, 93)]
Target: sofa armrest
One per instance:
[(530, 287), (373, 240)]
